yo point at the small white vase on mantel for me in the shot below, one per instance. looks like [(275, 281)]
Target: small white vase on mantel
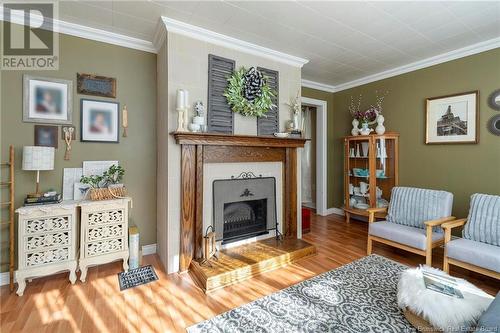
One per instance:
[(364, 129), (380, 129), (355, 128)]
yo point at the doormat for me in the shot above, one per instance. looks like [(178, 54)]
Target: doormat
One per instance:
[(136, 277)]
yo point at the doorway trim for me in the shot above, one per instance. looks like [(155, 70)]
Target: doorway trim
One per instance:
[(321, 152)]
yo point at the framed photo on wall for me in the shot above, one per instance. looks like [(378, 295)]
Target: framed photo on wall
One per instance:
[(46, 136), (452, 118), (47, 100), (99, 121)]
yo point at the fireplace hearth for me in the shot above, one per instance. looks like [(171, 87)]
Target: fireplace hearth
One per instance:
[(244, 208)]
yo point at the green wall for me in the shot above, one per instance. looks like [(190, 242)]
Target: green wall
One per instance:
[(135, 73), (462, 169)]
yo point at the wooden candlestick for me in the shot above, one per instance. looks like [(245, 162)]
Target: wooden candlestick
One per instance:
[(125, 120)]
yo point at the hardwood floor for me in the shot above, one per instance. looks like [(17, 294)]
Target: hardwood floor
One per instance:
[(173, 303)]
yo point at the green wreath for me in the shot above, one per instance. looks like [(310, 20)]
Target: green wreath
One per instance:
[(248, 93)]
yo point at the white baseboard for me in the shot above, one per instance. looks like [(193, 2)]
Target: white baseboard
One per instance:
[(4, 278), (146, 250), (334, 210)]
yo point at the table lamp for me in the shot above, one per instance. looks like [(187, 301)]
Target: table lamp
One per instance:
[(38, 159)]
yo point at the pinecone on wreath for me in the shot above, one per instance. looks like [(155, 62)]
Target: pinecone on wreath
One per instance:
[(254, 80)]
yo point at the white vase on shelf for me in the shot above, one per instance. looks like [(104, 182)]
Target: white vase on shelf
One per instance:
[(355, 128), (380, 129)]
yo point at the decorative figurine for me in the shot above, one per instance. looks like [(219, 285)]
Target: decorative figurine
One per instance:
[(380, 129), (355, 128)]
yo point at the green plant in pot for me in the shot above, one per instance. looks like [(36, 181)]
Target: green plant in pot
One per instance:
[(93, 181), (107, 186), (114, 175)]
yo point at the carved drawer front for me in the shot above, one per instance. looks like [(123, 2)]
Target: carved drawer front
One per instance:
[(47, 257), (104, 232), (104, 247), (40, 242), (47, 224), (105, 217)]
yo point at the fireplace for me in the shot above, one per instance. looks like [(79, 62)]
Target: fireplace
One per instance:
[(244, 207)]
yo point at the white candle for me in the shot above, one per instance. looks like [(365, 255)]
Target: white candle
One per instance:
[(186, 99), (180, 99)]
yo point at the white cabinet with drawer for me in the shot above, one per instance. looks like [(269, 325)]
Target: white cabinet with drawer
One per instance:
[(104, 233), (47, 242)]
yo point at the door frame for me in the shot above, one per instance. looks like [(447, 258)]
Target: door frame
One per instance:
[(321, 152)]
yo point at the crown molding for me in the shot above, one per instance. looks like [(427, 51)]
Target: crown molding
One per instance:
[(160, 35), (209, 36), (436, 60), (106, 36), (98, 35), (318, 86)]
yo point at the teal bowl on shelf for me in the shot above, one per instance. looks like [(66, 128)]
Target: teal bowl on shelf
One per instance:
[(357, 172)]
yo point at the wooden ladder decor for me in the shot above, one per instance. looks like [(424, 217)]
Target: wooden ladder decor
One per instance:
[(10, 222)]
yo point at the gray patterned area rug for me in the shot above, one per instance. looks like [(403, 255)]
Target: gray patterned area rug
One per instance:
[(357, 297)]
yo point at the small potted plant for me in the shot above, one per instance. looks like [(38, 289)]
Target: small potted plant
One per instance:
[(113, 176), (108, 186)]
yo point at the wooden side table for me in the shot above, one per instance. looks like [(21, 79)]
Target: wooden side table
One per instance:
[(47, 242), (104, 233)]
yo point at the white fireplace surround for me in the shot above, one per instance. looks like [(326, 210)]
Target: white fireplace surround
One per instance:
[(214, 171)]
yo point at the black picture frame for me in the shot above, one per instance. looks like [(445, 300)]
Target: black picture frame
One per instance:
[(85, 119), (46, 136)]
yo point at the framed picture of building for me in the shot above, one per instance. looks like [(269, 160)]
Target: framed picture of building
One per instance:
[(452, 118)]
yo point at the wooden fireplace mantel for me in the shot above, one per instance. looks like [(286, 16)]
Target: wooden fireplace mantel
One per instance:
[(217, 139), (200, 148)]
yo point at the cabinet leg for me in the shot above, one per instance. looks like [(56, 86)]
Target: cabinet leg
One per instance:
[(83, 275), (21, 285), (72, 273), (125, 264), (348, 217)]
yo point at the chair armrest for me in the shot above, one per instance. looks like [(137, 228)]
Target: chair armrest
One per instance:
[(433, 223), (453, 224), (373, 211)]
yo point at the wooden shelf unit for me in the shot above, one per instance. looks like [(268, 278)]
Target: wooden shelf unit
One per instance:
[(383, 154), (10, 206)]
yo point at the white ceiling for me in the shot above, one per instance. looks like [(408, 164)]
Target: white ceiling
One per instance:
[(344, 41)]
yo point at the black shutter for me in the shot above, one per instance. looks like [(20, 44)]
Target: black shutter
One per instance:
[(270, 123), (219, 113)]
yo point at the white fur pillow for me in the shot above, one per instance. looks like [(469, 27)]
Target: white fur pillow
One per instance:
[(447, 313)]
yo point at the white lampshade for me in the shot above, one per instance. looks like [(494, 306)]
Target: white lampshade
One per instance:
[(38, 158)]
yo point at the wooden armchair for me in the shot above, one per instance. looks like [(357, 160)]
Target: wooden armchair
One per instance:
[(417, 233), (479, 249)]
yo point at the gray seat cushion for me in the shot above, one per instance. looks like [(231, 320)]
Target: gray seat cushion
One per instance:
[(483, 222), (475, 253), (490, 320), (412, 206), (414, 237)]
